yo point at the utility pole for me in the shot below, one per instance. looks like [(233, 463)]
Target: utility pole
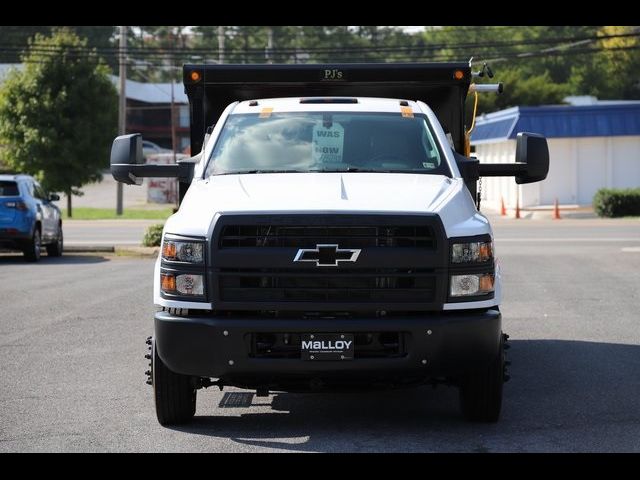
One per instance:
[(122, 113), (220, 44), (269, 50), (173, 124)]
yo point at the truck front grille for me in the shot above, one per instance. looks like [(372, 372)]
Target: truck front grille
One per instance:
[(296, 285), (234, 236), (400, 265)]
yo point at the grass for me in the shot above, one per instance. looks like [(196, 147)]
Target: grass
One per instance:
[(85, 213)]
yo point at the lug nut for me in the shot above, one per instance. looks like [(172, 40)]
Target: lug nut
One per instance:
[(424, 361), (230, 362), (429, 332), (225, 333)]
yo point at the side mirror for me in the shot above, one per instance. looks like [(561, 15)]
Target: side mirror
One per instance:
[(128, 165), (54, 197), (532, 161), (532, 150), (125, 152)]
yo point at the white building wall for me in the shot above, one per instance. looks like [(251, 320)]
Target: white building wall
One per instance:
[(578, 167), (626, 162)]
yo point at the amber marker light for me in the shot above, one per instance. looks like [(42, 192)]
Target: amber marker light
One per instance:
[(458, 74), (486, 283), (195, 76), (168, 282), (169, 250), (485, 252)]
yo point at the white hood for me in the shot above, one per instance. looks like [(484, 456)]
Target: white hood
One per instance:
[(312, 192)]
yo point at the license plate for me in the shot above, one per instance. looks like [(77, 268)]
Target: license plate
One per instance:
[(327, 346)]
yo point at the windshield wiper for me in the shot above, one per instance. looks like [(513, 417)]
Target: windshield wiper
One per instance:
[(239, 172)]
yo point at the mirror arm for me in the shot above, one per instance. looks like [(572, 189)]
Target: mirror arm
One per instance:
[(182, 171), (502, 169)]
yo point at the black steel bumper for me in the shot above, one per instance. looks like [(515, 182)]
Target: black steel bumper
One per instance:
[(452, 343)]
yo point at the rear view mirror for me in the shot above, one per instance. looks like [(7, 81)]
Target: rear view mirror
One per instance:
[(126, 151), (532, 162), (54, 197), (128, 164), (532, 150)]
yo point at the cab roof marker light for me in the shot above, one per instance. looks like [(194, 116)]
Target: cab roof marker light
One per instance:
[(266, 112), (407, 112)]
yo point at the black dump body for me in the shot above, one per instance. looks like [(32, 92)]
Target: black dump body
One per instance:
[(434, 83)]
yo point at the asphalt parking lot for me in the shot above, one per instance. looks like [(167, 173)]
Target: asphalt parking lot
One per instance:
[(72, 341)]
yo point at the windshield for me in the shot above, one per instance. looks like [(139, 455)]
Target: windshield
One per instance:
[(326, 142)]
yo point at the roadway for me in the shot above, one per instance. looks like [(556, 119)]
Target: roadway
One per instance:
[(72, 334)]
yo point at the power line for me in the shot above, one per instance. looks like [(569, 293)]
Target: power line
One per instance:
[(162, 51)]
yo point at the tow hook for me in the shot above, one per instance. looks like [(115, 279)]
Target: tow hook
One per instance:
[(505, 374), (149, 373), (205, 382)]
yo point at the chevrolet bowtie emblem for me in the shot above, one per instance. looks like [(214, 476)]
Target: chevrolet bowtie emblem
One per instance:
[(327, 255)]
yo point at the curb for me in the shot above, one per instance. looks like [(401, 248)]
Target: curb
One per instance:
[(137, 251), (125, 250), (89, 248)]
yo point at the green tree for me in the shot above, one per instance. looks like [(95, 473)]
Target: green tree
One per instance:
[(59, 115), (14, 40)]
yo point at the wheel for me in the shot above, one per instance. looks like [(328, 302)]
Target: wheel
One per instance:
[(175, 395), (33, 247), (55, 249), (481, 391)]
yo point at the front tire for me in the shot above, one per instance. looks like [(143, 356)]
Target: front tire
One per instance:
[(55, 249), (33, 247), (481, 391), (175, 395)]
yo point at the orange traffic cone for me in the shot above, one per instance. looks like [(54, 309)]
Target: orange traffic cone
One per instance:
[(517, 207), (556, 211), (503, 210)]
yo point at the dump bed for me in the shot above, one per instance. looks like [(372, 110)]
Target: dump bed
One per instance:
[(442, 86)]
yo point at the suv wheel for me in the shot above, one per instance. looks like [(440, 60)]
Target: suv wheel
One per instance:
[(55, 249), (175, 394), (481, 391), (33, 247)]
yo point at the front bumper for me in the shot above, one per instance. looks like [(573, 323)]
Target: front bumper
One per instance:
[(218, 347)]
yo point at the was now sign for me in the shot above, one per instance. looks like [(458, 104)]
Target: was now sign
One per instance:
[(328, 143), (327, 346)]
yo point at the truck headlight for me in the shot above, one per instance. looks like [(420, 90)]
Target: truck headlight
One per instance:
[(182, 284), (471, 284), (179, 251), (472, 252)]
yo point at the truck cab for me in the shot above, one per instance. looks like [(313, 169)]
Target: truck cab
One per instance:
[(328, 236)]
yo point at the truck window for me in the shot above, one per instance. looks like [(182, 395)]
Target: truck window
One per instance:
[(326, 142), (8, 189)]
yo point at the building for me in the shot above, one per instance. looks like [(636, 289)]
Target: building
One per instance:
[(149, 112), (592, 144)]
